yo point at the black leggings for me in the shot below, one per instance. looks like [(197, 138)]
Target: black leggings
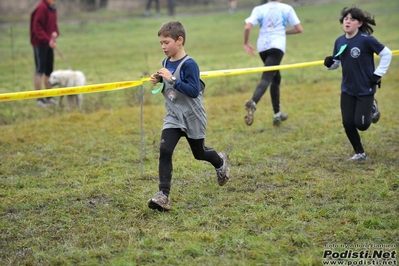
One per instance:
[(169, 139), (356, 115), (270, 57)]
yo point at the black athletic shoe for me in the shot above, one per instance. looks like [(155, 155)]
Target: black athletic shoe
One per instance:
[(376, 112)]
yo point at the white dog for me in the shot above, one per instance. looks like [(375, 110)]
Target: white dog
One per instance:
[(65, 79)]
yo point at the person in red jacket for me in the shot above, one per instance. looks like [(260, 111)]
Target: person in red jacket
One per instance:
[(43, 35)]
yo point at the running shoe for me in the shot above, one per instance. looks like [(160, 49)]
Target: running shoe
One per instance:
[(279, 118), (376, 112), (224, 171), (41, 102), (159, 202), (358, 157), (250, 107)]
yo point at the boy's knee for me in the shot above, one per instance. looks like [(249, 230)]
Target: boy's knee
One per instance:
[(363, 127), (164, 151)]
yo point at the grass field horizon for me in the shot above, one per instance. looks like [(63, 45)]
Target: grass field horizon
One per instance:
[(74, 185)]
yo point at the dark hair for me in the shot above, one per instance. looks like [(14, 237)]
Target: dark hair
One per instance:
[(173, 29), (359, 15)]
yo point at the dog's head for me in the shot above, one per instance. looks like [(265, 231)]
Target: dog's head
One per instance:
[(57, 78)]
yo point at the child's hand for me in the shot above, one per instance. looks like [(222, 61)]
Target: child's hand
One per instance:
[(155, 78), (165, 74), (328, 61), (376, 80), (249, 49)]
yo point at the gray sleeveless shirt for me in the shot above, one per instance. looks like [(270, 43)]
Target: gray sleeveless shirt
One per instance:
[(184, 112)]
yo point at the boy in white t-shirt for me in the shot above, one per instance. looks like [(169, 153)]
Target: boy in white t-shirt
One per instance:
[(272, 18)]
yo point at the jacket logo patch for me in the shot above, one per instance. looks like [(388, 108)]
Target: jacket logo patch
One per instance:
[(355, 52)]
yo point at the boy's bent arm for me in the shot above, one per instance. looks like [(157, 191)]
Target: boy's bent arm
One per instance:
[(188, 87), (247, 31), (296, 29), (189, 82)]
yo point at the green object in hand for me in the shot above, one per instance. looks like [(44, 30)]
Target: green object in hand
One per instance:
[(341, 50), (155, 91)]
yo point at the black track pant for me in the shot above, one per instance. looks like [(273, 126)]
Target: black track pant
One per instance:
[(169, 139), (271, 57), (356, 115)]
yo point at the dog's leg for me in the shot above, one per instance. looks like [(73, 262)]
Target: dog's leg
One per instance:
[(76, 101), (68, 102), (80, 100)]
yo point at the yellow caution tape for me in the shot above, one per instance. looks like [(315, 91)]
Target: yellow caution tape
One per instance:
[(129, 84), (240, 71), (68, 91)]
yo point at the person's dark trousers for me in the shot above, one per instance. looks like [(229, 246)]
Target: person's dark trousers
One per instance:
[(271, 57), (356, 115), (149, 2), (171, 7)]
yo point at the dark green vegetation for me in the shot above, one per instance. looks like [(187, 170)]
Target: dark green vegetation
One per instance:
[(71, 188)]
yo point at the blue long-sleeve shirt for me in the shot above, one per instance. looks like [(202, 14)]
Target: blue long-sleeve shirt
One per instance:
[(189, 82)]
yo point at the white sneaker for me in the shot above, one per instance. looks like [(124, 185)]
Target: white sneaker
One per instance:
[(52, 100), (358, 157), (278, 118), (41, 102)]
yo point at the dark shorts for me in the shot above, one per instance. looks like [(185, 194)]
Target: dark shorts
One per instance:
[(44, 60), (272, 57)]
